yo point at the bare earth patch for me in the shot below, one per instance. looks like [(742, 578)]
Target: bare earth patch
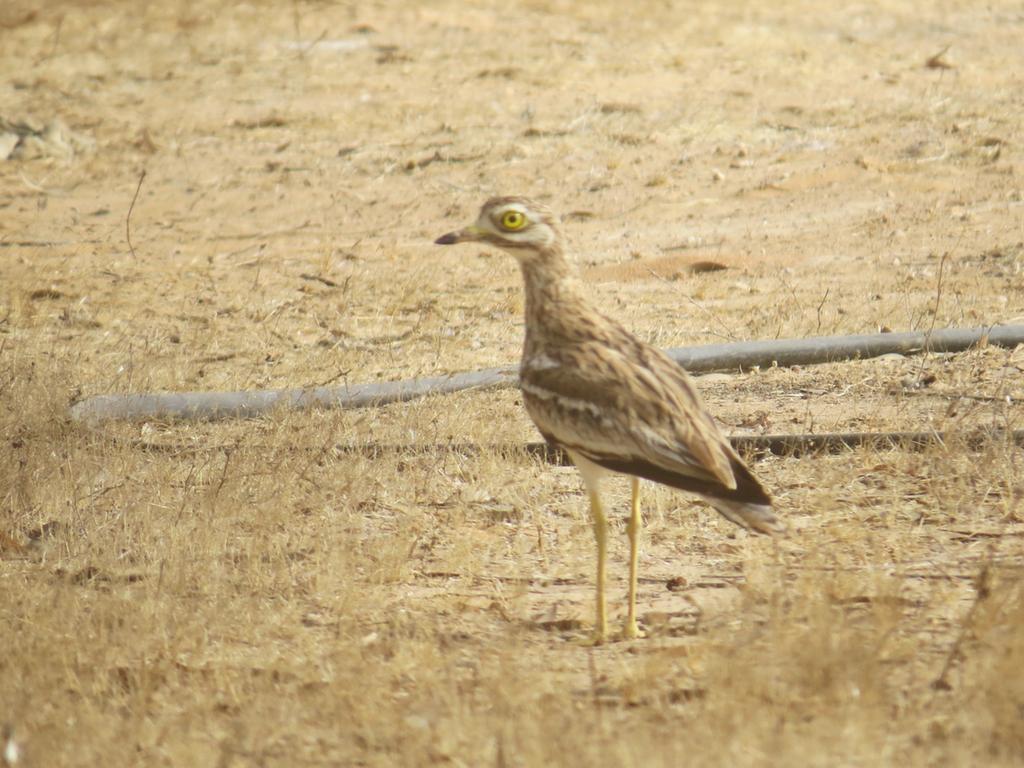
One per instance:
[(275, 592)]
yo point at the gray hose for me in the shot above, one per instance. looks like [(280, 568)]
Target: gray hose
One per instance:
[(714, 357)]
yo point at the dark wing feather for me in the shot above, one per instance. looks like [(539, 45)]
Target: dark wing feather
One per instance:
[(631, 409)]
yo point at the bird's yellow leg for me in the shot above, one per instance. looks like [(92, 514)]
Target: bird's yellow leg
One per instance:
[(601, 534), (631, 630)]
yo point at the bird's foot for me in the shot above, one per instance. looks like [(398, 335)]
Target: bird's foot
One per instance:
[(630, 631)]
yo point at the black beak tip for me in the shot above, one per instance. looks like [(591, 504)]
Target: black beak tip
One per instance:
[(448, 239)]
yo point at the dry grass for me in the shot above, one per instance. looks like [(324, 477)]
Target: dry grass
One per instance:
[(275, 593)]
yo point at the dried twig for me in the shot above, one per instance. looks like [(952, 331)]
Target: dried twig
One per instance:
[(935, 309), (982, 593), (264, 234), (982, 590), (128, 218), (319, 279), (937, 60)]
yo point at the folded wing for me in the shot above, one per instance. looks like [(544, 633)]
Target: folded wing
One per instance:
[(630, 408)]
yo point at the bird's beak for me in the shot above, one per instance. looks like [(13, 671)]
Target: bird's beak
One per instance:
[(468, 234)]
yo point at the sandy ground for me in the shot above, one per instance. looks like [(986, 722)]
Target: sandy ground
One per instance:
[(249, 593)]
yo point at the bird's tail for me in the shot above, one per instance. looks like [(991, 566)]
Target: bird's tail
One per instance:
[(747, 514)]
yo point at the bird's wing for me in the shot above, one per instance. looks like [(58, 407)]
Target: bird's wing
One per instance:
[(626, 402)]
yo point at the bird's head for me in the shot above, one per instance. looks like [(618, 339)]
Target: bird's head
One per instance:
[(514, 224)]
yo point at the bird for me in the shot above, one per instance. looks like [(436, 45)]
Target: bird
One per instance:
[(612, 402)]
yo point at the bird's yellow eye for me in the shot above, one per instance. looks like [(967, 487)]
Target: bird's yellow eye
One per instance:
[(513, 220)]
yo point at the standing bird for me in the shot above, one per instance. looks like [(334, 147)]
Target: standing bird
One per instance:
[(612, 402)]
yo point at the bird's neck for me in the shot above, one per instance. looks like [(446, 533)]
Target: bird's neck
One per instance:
[(547, 277), (549, 281)]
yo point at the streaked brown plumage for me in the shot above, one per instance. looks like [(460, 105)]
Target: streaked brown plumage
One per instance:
[(613, 402)]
